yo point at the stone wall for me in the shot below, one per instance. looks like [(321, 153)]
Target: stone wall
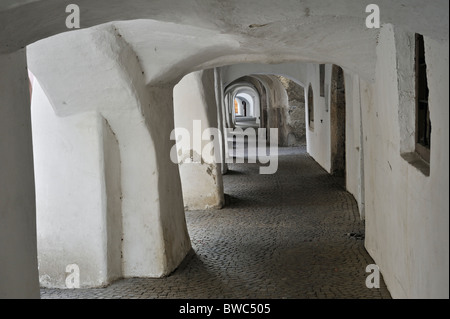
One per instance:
[(296, 112)]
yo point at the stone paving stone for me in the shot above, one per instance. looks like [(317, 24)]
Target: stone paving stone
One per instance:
[(281, 236)]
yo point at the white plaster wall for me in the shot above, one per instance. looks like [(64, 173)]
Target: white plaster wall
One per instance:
[(175, 243), (260, 79), (201, 177), (113, 192), (318, 138), (279, 31), (18, 255), (221, 117), (278, 110), (229, 111), (407, 212), (71, 205), (437, 250), (353, 143)]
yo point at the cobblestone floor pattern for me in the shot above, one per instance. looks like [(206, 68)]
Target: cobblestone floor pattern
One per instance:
[(295, 234)]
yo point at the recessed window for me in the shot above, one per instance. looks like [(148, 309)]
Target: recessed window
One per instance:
[(310, 107), (423, 123), (322, 80)]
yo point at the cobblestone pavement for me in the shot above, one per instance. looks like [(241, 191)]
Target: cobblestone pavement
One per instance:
[(292, 235)]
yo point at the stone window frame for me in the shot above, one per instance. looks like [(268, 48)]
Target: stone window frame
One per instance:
[(310, 108), (322, 79), (411, 151), (422, 134)]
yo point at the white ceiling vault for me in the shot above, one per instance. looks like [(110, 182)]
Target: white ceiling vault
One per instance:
[(173, 38)]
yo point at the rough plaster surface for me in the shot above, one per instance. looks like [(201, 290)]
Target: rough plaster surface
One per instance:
[(201, 178), (404, 42), (278, 110), (276, 32)]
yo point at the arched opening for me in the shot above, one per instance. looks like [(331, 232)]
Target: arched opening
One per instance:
[(246, 102), (282, 105), (242, 104), (248, 107)]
